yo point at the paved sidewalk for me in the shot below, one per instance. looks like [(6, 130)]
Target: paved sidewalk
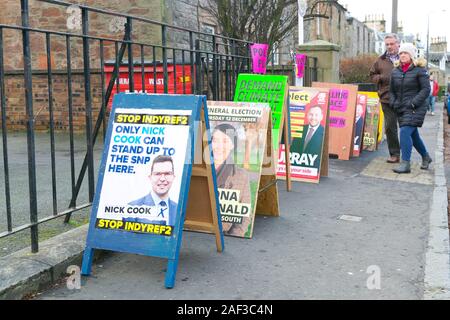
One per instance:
[(308, 252)]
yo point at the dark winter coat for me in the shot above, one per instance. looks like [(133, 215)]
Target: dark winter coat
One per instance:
[(409, 92), (380, 74)]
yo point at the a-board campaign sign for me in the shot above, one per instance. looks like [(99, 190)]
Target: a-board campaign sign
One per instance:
[(145, 177), (274, 91), (239, 142), (266, 89), (372, 121), (381, 127), (309, 113), (361, 105), (342, 105)]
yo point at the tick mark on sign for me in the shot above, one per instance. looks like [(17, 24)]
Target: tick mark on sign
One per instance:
[(350, 218)]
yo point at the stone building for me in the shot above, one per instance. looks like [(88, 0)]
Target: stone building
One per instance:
[(440, 58), (352, 35)]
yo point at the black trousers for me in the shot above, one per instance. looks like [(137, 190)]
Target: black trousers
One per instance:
[(391, 129)]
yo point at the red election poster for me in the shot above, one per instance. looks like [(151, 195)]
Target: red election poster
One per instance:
[(361, 104), (309, 112)]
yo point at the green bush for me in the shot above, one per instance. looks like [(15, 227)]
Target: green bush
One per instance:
[(442, 90)]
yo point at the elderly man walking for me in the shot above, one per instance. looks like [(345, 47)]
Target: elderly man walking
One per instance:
[(380, 73)]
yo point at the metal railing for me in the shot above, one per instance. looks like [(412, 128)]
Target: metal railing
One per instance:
[(211, 63)]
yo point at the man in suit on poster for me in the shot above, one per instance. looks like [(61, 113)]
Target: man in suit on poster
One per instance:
[(312, 138), (161, 178)]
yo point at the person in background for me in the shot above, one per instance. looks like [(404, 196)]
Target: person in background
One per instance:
[(434, 90), (409, 92), (380, 74)]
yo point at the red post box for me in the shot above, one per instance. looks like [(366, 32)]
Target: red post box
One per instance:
[(182, 82)]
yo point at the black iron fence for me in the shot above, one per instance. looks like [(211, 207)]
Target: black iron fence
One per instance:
[(83, 69)]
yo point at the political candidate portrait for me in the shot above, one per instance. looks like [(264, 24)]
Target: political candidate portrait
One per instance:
[(359, 124), (229, 175), (161, 179), (313, 132)]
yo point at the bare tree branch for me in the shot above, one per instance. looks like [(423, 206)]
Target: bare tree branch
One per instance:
[(261, 21)]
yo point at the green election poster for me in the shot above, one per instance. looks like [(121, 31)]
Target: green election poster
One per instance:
[(266, 89)]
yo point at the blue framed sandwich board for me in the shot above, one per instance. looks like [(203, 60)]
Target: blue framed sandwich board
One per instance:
[(145, 185)]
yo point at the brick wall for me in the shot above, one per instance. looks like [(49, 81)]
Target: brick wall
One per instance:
[(15, 101), (54, 18)]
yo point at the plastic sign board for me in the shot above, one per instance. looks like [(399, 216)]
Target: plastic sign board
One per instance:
[(309, 113), (266, 89), (145, 178), (381, 127), (342, 106), (239, 142), (274, 91), (300, 61), (359, 123), (371, 126), (259, 57)]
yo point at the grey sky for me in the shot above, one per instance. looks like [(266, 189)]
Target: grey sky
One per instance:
[(412, 13)]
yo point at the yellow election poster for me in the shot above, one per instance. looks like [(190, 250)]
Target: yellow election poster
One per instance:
[(371, 127), (381, 127)]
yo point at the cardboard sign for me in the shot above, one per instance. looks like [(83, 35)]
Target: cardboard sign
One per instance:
[(342, 117), (274, 91), (266, 89), (309, 114), (359, 123), (300, 61), (259, 57), (145, 178), (239, 143), (371, 126)]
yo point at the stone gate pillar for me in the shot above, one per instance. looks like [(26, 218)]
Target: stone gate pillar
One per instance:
[(327, 55)]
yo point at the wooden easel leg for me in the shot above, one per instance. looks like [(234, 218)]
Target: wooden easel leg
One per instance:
[(219, 241), (86, 265), (171, 273), (217, 223)]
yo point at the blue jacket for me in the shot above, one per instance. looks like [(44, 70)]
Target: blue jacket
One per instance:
[(148, 201)]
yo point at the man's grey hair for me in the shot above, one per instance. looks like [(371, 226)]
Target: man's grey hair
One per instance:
[(392, 36)]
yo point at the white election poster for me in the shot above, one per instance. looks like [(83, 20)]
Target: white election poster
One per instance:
[(143, 172)]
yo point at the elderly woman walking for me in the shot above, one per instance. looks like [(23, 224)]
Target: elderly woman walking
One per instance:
[(409, 91)]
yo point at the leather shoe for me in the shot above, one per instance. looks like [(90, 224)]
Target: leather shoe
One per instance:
[(393, 159)]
